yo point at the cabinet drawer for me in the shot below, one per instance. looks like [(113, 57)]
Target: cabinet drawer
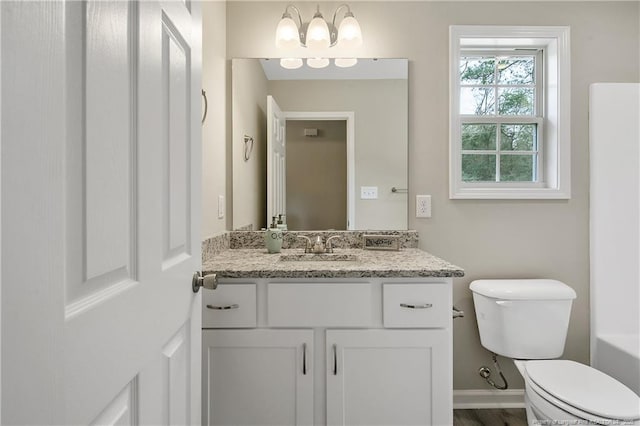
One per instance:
[(416, 305), (230, 306), (319, 304)]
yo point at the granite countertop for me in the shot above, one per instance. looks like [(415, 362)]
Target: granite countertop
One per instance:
[(257, 263)]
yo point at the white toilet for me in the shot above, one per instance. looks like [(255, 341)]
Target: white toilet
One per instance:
[(527, 320)]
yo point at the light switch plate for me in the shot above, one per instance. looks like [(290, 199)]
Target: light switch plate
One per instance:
[(368, 192), (423, 205)]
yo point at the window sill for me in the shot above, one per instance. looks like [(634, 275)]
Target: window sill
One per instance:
[(509, 194)]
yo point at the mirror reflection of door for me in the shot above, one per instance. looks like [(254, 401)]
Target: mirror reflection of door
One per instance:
[(317, 174), (276, 161)]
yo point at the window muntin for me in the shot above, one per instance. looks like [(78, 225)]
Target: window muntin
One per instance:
[(501, 116)]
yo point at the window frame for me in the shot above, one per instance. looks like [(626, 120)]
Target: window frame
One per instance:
[(552, 114)]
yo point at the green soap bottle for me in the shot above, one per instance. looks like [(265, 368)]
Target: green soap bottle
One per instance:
[(273, 238)]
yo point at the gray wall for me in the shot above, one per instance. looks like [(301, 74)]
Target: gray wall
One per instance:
[(487, 238), (214, 129), (249, 112)]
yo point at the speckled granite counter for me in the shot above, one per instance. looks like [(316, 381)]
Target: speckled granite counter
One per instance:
[(257, 263)]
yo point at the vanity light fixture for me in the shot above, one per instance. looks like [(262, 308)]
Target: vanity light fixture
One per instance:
[(317, 34), (291, 63), (317, 62), (345, 62)]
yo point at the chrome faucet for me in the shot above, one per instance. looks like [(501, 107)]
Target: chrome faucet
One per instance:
[(318, 246)]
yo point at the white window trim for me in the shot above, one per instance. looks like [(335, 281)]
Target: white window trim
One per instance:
[(556, 146)]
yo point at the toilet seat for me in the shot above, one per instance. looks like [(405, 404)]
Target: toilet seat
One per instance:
[(582, 390)]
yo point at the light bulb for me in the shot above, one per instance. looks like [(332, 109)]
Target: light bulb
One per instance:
[(287, 36), (317, 62), (345, 62), (291, 63), (318, 33), (349, 33)]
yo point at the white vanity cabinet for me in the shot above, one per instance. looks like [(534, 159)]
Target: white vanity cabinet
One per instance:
[(366, 351), (387, 377), (258, 377)]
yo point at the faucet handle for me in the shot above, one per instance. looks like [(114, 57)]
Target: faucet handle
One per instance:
[(307, 245), (328, 245)]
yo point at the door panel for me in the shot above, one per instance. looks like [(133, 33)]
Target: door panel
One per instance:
[(175, 64), (122, 411), (176, 353), (100, 217), (114, 151)]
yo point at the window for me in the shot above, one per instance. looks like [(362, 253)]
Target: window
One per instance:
[(509, 135)]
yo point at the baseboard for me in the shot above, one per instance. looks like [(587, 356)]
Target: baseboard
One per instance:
[(486, 398)]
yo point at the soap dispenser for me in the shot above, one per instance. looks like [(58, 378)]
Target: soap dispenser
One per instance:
[(273, 237), (281, 222)]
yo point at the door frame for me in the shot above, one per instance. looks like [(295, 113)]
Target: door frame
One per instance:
[(349, 117)]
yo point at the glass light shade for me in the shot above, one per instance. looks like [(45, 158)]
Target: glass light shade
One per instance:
[(287, 36), (291, 63), (318, 34), (349, 33), (345, 62), (317, 62)]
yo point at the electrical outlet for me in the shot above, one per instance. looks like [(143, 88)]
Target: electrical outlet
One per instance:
[(221, 206), (423, 205), (368, 192)]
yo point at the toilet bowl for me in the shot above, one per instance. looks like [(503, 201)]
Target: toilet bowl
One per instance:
[(527, 320), (573, 393)]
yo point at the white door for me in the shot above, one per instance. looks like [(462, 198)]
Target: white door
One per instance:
[(100, 212), (276, 160), (388, 377), (258, 377)]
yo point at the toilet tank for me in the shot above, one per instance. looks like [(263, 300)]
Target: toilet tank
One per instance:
[(523, 319)]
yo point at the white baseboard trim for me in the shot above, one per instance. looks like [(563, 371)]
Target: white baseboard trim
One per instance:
[(486, 398)]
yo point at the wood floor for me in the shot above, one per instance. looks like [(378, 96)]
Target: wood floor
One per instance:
[(490, 417)]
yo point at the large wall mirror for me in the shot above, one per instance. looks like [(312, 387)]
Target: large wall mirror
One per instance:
[(326, 148)]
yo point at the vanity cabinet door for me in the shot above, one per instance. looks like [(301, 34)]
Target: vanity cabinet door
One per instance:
[(388, 377), (257, 377)]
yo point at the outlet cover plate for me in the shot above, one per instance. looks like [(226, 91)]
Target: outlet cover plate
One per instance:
[(423, 206)]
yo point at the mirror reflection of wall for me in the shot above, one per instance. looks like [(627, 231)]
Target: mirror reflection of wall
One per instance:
[(379, 104)]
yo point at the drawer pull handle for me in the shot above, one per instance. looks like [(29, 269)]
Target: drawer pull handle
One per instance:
[(223, 308), (335, 360), (419, 306), (304, 359)]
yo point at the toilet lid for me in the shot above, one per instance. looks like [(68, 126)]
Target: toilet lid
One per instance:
[(585, 388)]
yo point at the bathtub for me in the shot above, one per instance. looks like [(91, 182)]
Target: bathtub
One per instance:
[(618, 355), (614, 216)]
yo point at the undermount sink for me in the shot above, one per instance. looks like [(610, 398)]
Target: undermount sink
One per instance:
[(320, 257)]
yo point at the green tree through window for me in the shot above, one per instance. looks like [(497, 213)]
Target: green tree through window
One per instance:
[(498, 96)]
